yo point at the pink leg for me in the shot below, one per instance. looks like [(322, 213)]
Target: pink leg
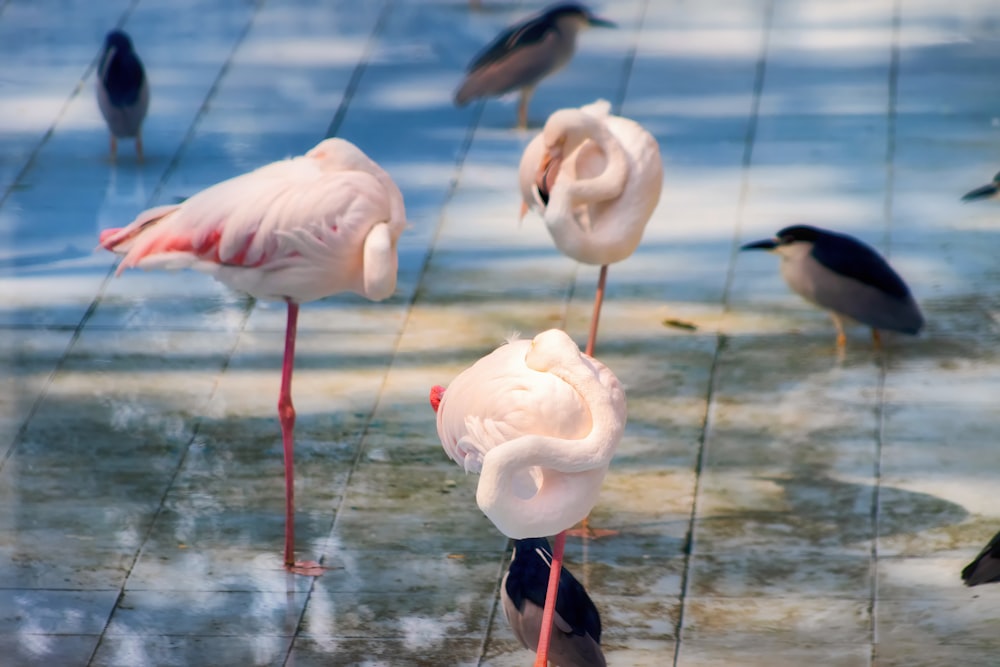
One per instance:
[(585, 530), (596, 317), (548, 613), (286, 414)]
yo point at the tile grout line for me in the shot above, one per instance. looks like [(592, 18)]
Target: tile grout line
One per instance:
[(167, 173), (616, 109), (721, 338), (880, 406), (77, 329), (77, 89), (359, 70), (338, 118), (461, 154)]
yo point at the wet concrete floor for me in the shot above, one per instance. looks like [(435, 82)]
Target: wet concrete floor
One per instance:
[(777, 505)]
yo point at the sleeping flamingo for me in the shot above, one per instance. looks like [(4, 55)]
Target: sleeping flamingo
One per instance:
[(539, 421), (595, 179), (296, 230)]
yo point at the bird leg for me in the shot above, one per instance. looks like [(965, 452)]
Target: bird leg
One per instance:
[(841, 336), (522, 108), (114, 148), (286, 415), (602, 280), (138, 146), (585, 530), (877, 340), (549, 611)]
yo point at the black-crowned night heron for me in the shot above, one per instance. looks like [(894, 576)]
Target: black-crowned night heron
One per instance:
[(989, 191), (985, 569), (576, 636), (846, 277), (122, 91), (526, 53)]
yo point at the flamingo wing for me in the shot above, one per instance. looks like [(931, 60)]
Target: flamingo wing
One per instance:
[(283, 211)]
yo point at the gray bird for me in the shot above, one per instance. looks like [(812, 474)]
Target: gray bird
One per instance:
[(576, 630), (985, 569), (526, 53), (122, 91), (846, 277), (990, 191)]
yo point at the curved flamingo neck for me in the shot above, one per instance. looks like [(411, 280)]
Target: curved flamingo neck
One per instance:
[(572, 469), (608, 184)]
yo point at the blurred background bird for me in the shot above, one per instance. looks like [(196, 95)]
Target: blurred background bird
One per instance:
[(988, 191), (576, 637), (526, 53), (985, 569), (122, 91), (845, 277)]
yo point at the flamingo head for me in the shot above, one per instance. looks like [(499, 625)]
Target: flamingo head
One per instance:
[(437, 393)]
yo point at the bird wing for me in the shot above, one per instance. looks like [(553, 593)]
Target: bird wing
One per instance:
[(123, 77), (530, 32), (986, 566), (272, 215), (854, 259), (481, 435), (518, 58), (576, 611)]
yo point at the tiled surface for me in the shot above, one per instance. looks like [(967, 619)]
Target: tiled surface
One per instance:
[(777, 506)]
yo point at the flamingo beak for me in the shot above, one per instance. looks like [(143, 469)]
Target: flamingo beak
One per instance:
[(437, 393), (545, 177)]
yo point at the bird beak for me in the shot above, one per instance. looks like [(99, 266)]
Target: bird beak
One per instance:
[(766, 244), (545, 177), (437, 393), (982, 193), (598, 22)]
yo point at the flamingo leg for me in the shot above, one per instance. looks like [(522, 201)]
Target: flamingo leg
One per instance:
[(138, 146), (549, 611), (596, 317), (286, 415), (585, 530), (114, 148)]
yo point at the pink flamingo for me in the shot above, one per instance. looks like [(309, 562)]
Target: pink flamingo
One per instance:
[(539, 421), (296, 230), (595, 179)]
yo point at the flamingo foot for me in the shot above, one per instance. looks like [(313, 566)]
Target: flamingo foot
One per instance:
[(307, 568), (587, 532), (592, 533)]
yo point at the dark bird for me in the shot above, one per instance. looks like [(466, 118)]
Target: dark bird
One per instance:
[(985, 569), (846, 277), (576, 634), (526, 53), (122, 91), (989, 191)]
